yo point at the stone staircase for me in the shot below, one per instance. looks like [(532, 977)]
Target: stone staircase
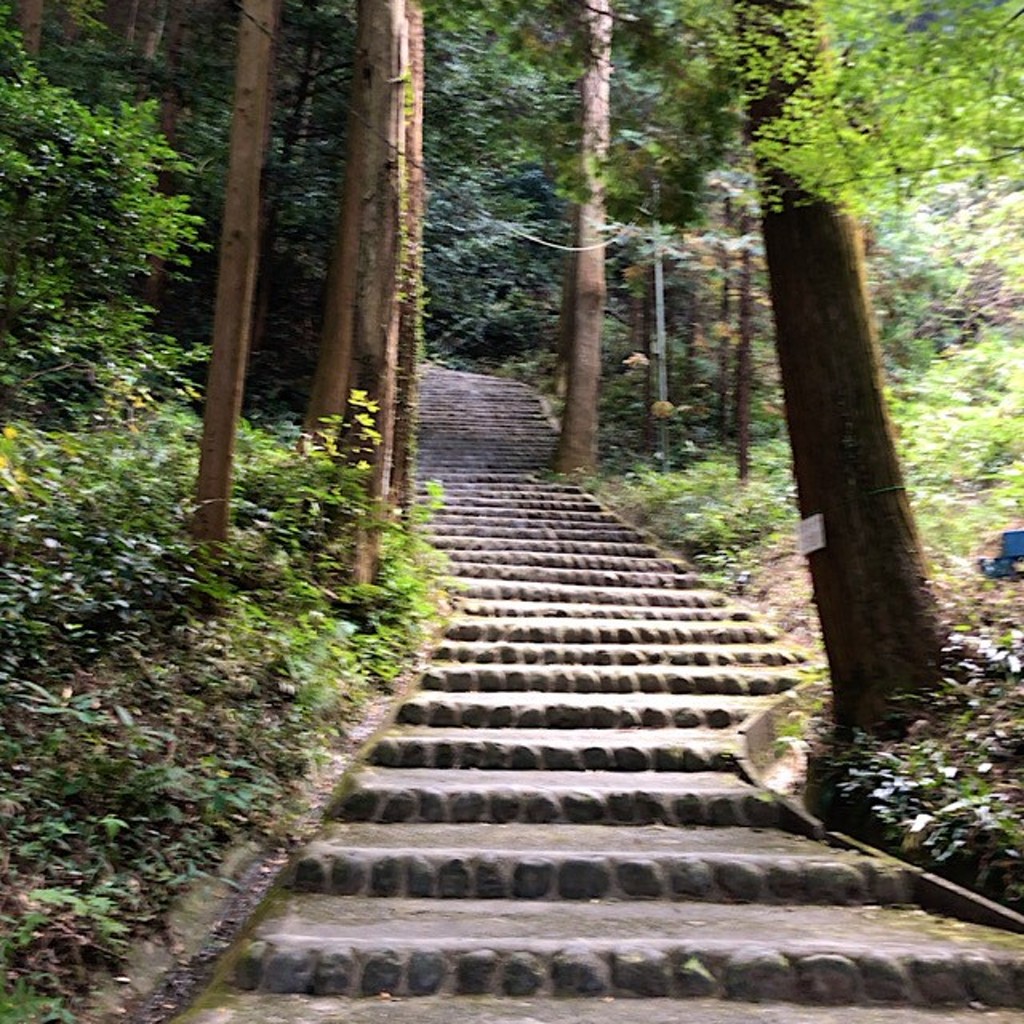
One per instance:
[(558, 825)]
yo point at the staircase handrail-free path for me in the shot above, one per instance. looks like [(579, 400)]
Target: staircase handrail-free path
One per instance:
[(557, 825)]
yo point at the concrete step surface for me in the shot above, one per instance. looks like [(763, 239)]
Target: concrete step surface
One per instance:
[(564, 560), (265, 1008), (366, 946), (554, 797), (580, 750), (498, 547), (513, 530), (638, 597), (523, 861), (721, 612), (597, 642), (516, 572), (736, 677), (561, 711)]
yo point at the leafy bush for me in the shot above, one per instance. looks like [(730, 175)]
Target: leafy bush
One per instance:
[(83, 216), (156, 705), (947, 796), (706, 512), (962, 445)]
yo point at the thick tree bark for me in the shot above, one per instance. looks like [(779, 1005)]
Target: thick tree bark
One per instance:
[(376, 313), (332, 380), (566, 314), (647, 327), (724, 329), (744, 372), (30, 21), (236, 278), (411, 323), (878, 617), (577, 443)]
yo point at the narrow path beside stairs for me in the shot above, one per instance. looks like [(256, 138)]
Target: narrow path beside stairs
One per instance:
[(555, 827)]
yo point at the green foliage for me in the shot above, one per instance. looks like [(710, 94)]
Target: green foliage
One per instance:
[(946, 269), (946, 796), (909, 94), (491, 292), (707, 514), (673, 107), (962, 444), (156, 706), (83, 216)]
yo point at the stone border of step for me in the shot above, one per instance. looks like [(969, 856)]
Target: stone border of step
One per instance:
[(676, 970), (930, 892)]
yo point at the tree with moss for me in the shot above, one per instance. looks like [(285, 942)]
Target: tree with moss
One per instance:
[(878, 616)]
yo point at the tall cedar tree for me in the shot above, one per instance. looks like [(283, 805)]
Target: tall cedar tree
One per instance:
[(577, 443), (414, 212), (237, 268), (878, 616), (359, 346)]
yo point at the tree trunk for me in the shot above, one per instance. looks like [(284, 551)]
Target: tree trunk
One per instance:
[(178, 17), (332, 379), (411, 324), (878, 617), (567, 311), (724, 328), (577, 443), (743, 367), (236, 279), (30, 21), (647, 327), (376, 313)]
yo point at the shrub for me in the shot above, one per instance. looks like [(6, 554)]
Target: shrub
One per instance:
[(156, 705), (706, 513)]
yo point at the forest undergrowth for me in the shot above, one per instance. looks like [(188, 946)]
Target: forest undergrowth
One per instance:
[(943, 787), (159, 704)]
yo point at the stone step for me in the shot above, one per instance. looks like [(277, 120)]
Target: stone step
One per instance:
[(720, 613), (519, 507), (565, 560), (499, 431), (473, 478), (504, 546), (522, 487), (574, 862), (577, 750), (612, 642), (639, 597), (440, 471), (364, 946), (517, 573), (515, 502), (732, 679), (608, 534), (535, 710), (472, 419), (266, 1008), (520, 441), (549, 797), (601, 642), (524, 453), (517, 516)]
